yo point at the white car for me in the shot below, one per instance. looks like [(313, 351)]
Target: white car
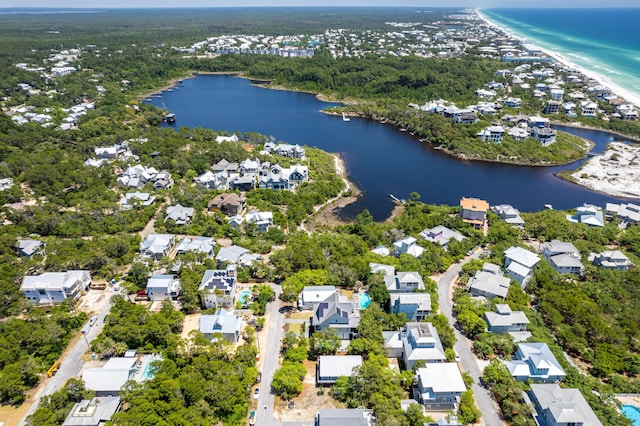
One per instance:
[(256, 393), (457, 356)]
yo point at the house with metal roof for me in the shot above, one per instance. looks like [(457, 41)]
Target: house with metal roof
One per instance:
[(156, 246), (611, 259), (404, 282), (338, 313), (163, 286), (509, 214), (224, 322), (313, 294), (519, 263), (345, 417), (489, 285), (55, 287), (535, 362), (179, 214), (203, 245), (440, 386), (588, 214), (504, 321), (441, 235), (557, 406), (420, 341), (29, 247), (93, 412), (415, 305), (563, 257), (408, 245), (330, 367)]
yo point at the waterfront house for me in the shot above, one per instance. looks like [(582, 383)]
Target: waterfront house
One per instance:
[(157, 245), (136, 199), (203, 245), (218, 287), (474, 211), (345, 417), (163, 286), (55, 287), (557, 406), (552, 107), (487, 284), (29, 247), (588, 214), (404, 282), (93, 412), (291, 151), (262, 220), (509, 214), (537, 121), (519, 264), (330, 367), (535, 362), (224, 322), (311, 295), (506, 321), (338, 313), (416, 306), (179, 214), (441, 235), (492, 134), (588, 108), (421, 342), (563, 257), (465, 117), (628, 213), (298, 174), (277, 179), (230, 204), (611, 259), (518, 133), (440, 386), (249, 166), (545, 135)]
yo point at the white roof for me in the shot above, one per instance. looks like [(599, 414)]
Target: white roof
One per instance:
[(336, 366), (522, 256), (441, 377)]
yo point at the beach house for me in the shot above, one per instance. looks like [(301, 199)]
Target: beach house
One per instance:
[(55, 287), (557, 406), (519, 263), (535, 362), (474, 211), (440, 386), (218, 287), (563, 257)]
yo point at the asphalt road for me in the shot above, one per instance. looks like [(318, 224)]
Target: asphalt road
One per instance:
[(468, 359), (71, 364), (264, 412)]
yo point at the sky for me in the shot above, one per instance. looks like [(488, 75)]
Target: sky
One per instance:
[(482, 4)]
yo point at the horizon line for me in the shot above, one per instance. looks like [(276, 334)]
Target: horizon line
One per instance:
[(309, 7)]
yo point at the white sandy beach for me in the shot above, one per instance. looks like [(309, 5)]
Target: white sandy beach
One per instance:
[(621, 92)]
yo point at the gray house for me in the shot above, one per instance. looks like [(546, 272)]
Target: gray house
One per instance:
[(421, 341), (519, 264), (489, 285), (93, 412), (563, 257), (415, 306), (179, 214), (336, 313), (556, 406), (345, 417), (611, 259), (535, 362), (225, 322), (29, 247), (163, 286), (440, 386), (504, 320)]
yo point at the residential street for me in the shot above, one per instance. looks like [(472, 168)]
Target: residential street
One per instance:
[(71, 362), (468, 359)]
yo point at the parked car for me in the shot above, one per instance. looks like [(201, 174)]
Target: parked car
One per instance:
[(252, 417), (256, 393), (93, 320), (259, 377), (457, 356)]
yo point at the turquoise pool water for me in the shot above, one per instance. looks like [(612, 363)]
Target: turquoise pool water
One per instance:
[(364, 300), (149, 372), (245, 297), (632, 413)]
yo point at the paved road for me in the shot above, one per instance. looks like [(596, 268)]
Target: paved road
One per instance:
[(264, 414), (71, 363), (468, 360)]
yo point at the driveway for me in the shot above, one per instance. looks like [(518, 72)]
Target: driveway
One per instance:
[(468, 359)]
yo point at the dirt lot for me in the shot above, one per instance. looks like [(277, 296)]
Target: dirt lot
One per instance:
[(190, 323), (308, 402)]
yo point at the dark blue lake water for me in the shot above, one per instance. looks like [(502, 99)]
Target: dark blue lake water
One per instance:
[(379, 158)]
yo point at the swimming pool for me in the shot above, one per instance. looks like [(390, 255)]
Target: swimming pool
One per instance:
[(245, 297), (364, 300), (149, 372), (632, 413)]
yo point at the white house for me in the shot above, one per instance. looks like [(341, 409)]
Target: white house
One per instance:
[(179, 214), (163, 286), (408, 245), (557, 406), (504, 321), (224, 322), (489, 285), (415, 306), (156, 246), (519, 264), (492, 134), (535, 362), (330, 367), (441, 235), (421, 342), (509, 214), (55, 287), (263, 220), (588, 214), (440, 386), (611, 259), (563, 257), (218, 287), (404, 282), (312, 295)]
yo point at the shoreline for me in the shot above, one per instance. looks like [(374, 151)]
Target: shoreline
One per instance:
[(626, 94)]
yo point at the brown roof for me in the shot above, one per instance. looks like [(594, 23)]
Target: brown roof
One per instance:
[(227, 199), (474, 204)]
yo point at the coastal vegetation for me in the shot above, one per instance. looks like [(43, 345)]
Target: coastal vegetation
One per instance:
[(75, 210)]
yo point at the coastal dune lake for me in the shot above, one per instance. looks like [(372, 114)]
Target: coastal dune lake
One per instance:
[(380, 159)]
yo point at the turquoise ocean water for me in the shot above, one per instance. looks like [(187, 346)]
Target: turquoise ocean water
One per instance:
[(605, 41)]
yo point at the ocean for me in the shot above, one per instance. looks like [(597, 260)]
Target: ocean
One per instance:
[(604, 41)]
